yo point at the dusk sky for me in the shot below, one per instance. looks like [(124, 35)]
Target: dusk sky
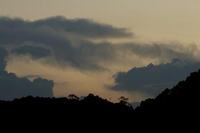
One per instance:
[(93, 46)]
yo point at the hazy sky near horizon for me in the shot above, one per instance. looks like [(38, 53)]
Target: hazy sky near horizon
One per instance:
[(150, 20)]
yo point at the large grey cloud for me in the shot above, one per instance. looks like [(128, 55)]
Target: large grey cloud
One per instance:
[(55, 29), (12, 86), (152, 79), (34, 51), (73, 42), (70, 41)]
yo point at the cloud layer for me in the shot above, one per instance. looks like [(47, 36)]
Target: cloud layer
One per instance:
[(82, 27), (165, 51), (73, 42), (69, 41)]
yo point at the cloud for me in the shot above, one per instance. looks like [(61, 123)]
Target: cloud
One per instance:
[(34, 51), (12, 86), (72, 42), (152, 79), (83, 27), (55, 29), (164, 52), (3, 55)]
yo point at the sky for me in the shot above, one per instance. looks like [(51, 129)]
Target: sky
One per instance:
[(106, 38)]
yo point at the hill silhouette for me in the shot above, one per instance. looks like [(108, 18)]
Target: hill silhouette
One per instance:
[(181, 99), (72, 104)]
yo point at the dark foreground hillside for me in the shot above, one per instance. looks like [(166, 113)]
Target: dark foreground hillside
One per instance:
[(65, 106), (181, 99)]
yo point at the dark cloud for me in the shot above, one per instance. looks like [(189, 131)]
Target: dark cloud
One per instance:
[(18, 31), (85, 56), (34, 51), (55, 29), (12, 86), (83, 27), (72, 42), (152, 79), (54, 34), (3, 55)]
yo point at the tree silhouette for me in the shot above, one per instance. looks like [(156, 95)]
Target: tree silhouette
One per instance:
[(73, 97), (184, 98), (123, 100)]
